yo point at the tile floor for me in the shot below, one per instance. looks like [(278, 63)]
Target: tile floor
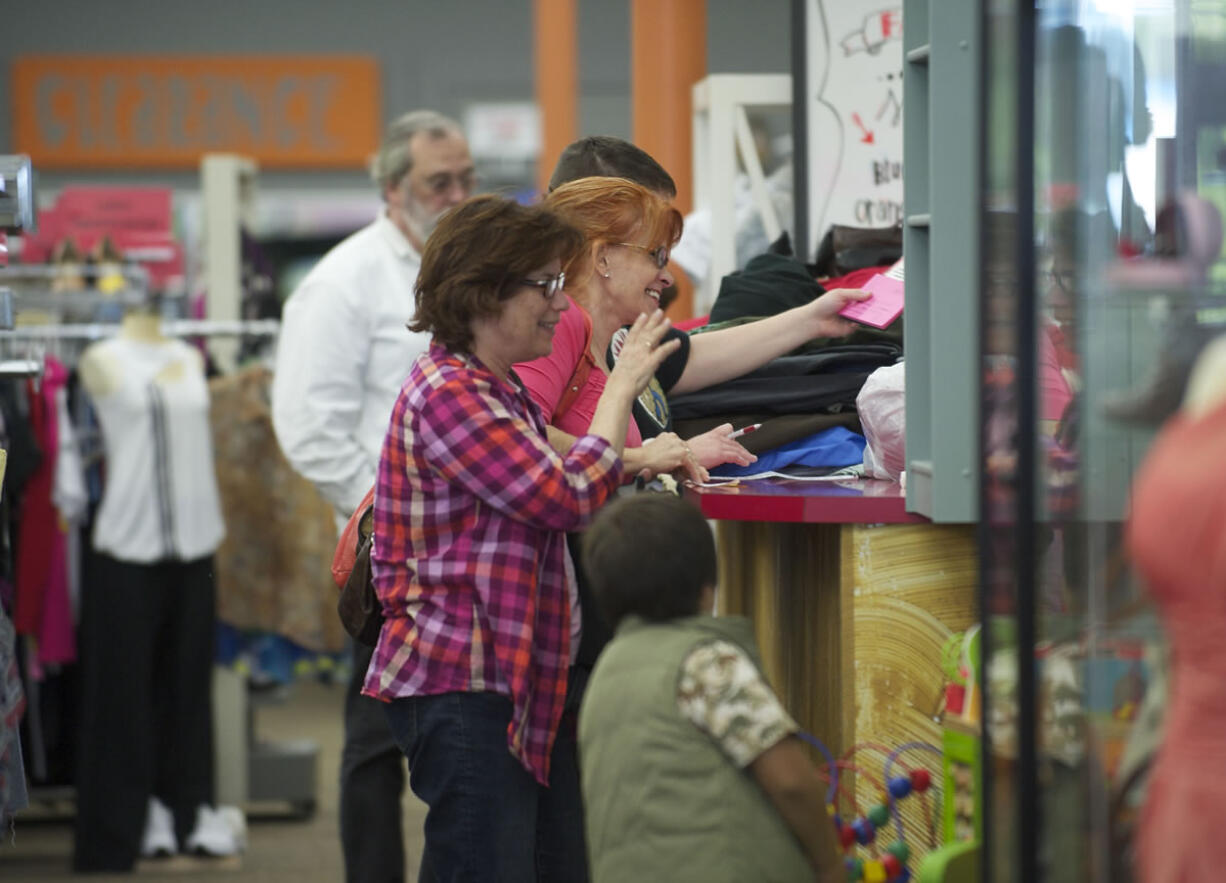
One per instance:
[(280, 849)]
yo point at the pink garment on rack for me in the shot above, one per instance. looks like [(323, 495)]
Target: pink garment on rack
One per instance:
[(42, 607), (1177, 537), (57, 640)]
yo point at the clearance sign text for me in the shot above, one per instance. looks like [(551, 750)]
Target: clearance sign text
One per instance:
[(110, 111)]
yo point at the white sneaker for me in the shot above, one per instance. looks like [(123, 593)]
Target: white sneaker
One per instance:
[(213, 835), (159, 840), (236, 820)]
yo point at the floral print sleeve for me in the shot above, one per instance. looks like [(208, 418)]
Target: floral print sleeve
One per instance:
[(722, 693)]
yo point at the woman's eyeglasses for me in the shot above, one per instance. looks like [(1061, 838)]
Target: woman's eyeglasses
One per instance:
[(659, 254), (549, 286), (1065, 280)]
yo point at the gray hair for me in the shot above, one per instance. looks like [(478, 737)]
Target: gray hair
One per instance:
[(393, 161)]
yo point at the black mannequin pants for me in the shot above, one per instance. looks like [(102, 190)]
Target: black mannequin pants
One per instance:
[(146, 652)]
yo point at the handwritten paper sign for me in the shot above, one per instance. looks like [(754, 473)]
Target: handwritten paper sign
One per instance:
[(854, 71)]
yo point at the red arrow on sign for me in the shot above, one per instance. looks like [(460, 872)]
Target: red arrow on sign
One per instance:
[(868, 136)]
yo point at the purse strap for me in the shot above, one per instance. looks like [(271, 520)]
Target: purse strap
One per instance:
[(361, 523), (583, 369)]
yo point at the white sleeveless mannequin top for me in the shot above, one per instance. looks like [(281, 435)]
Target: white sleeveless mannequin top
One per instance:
[(160, 500)]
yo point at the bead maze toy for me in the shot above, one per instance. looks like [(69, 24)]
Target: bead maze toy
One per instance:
[(861, 834), (872, 852)]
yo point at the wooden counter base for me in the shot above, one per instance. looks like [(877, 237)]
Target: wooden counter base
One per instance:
[(851, 619)]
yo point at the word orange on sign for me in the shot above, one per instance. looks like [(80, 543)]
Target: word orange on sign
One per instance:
[(112, 111)]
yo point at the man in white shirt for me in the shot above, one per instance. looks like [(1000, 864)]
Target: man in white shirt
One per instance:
[(344, 353)]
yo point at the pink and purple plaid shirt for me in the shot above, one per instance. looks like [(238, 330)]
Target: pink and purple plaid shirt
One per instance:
[(471, 510)]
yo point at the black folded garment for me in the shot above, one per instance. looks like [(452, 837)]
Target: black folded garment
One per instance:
[(825, 393), (822, 382), (846, 359)]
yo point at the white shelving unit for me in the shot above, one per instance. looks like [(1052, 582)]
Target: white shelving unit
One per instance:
[(227, 185), (721, 132)]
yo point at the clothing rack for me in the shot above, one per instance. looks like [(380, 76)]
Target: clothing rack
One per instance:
[(20, 368), (171, 328), (27, 366), (67, 286)]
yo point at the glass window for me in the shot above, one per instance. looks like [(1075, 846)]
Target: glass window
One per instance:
[(1103, 289)]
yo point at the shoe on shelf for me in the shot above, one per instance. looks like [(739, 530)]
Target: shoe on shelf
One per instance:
[(215, 833), (159, 839)]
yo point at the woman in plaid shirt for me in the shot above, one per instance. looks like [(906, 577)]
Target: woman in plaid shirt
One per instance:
[(469, 555)]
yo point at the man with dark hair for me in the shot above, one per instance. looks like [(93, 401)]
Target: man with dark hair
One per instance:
[(603, 156), (343, 355), (681, 737)]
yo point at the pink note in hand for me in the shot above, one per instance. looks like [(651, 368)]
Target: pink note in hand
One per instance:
[(882, 308)]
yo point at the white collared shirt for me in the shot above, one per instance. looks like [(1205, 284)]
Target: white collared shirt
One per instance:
[(344, 353)]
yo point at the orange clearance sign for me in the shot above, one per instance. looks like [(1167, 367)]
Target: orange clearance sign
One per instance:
[(113, 111)]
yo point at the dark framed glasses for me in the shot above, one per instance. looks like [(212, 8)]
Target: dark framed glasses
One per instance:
[(1065, 280), (549, 286), (659, 255)]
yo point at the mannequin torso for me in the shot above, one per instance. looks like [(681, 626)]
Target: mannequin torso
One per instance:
[(149, 392), (1177, 537), (101, 372)]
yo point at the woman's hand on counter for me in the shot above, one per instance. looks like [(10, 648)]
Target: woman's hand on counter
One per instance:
[(716, 447), (666, 453)]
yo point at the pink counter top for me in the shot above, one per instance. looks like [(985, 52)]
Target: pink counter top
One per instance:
[(854, 501)]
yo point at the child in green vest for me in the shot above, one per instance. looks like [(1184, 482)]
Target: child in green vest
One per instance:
[(691, 769)]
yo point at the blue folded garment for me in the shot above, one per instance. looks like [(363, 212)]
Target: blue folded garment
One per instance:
[(834, 447)]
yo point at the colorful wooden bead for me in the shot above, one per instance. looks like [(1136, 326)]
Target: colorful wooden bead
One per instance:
[(865, 832), (874, 872), (900, 787), (854, 868), (921, 781), (879, 815), (899, 850), (847, 836), (893, 867)]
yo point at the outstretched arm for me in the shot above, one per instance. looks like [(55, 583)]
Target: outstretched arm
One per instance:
[(721, 355)]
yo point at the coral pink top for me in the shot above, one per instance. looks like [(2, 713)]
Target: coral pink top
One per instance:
[(1177, 537), (546, 378)]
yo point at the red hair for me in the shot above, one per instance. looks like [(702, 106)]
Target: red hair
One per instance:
[(614, 210)]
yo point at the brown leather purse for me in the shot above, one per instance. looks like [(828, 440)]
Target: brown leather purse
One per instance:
[(359, 607), (844, 249)]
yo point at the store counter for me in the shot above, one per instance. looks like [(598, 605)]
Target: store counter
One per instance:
[(852, 598)]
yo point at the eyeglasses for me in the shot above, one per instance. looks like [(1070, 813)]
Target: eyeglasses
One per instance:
[(659, 254), (1065, 280), (443, 182), (549, 286)]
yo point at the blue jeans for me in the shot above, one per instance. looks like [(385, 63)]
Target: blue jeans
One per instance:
[(488, 819), (371, 780)]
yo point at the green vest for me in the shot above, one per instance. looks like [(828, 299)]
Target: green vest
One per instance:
[(663, 802)]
